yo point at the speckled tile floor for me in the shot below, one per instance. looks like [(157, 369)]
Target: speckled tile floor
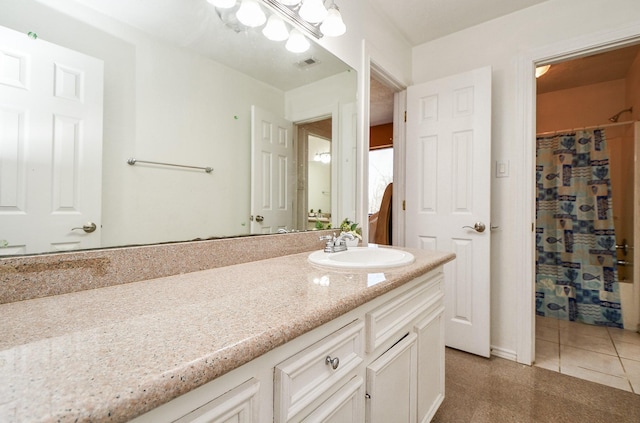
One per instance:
[(495, 390)]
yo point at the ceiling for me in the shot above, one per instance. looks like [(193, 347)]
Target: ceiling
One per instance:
[(420, 21), (601, 67)]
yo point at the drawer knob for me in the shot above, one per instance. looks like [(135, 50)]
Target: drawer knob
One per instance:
[(333, 362)]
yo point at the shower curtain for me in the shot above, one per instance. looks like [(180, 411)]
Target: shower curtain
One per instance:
[(576, 272)]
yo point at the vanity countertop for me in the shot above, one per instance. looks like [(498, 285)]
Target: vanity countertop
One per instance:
[(110, 354)]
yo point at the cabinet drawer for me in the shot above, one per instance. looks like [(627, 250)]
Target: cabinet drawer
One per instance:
[(303, 378), (387, 320)]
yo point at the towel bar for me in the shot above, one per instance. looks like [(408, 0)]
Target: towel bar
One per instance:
[(133, 161)]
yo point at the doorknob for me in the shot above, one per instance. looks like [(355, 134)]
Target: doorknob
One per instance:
[(478, 227), (259, 219), (88, 228)]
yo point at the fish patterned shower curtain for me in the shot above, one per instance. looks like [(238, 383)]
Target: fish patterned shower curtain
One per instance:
[(576, 270)]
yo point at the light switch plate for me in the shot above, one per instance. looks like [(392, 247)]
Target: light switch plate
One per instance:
[(502, 168)]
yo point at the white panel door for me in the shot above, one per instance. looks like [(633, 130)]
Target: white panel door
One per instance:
[(50, 146), (448, 185), (272, 180)]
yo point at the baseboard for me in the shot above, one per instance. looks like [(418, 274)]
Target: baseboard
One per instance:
[(504, 353)]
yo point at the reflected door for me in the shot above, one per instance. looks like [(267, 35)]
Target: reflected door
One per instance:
[(273, 179), (50, 146)]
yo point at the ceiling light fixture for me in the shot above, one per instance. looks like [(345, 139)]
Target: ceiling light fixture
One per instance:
[(297, 42), (310, 16), (313, 11), (333, 26), (541, 70), (275, 29), (250, 14)]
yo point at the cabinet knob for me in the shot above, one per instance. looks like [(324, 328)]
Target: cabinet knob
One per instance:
[(333, 362)]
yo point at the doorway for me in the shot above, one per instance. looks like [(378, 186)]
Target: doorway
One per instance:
[(314, 208), (525, 125), (387, 105), (572, 97)]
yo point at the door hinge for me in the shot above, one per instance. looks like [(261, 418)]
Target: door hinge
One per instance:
[(404, 204), (405, 116), (532, 227)]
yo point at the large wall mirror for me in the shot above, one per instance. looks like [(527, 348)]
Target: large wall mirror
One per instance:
[(88, 85)]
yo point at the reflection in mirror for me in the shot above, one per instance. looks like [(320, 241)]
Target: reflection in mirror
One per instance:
[(163, 82), (318, 140)]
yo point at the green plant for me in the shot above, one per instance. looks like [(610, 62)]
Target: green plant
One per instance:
[(350, 227), (319, 225)]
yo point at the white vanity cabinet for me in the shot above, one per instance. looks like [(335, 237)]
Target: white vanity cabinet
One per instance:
[(405, 382), (381, 362), (239, 405)]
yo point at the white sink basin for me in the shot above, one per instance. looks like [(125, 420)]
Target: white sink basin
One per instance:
[(363, 258)]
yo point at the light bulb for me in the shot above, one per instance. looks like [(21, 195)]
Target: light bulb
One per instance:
[(541, 70), (312, 11), (333, 26), (275, 29), (250, 14), (223, 4), (289, 2), (297, 43)]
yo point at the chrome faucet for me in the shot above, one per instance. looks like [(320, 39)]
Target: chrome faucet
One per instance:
[(336, 244)]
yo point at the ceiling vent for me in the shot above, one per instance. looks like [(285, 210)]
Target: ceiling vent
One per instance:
[(307, 63)]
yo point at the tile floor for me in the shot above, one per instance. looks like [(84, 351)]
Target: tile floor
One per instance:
[(608, 356)]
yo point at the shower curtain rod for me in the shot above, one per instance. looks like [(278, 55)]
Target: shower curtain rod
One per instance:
[(606, 125)]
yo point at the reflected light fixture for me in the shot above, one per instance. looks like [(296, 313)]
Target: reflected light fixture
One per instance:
[(250, 14), (322, 158), (297, 42), (333, 26), (275, 29), (313, 11), (223, 4), (541, 70)]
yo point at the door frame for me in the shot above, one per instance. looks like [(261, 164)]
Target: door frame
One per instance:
[(526, 128)]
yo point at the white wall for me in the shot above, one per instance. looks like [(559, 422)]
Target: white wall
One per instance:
[(499, 44), (384, 42)]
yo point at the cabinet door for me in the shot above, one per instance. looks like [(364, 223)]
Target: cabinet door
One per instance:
[(391, 384), (430, 332), (345, 406), (239, 405)]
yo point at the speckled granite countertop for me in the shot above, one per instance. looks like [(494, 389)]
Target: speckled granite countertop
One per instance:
[(113, 353)]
